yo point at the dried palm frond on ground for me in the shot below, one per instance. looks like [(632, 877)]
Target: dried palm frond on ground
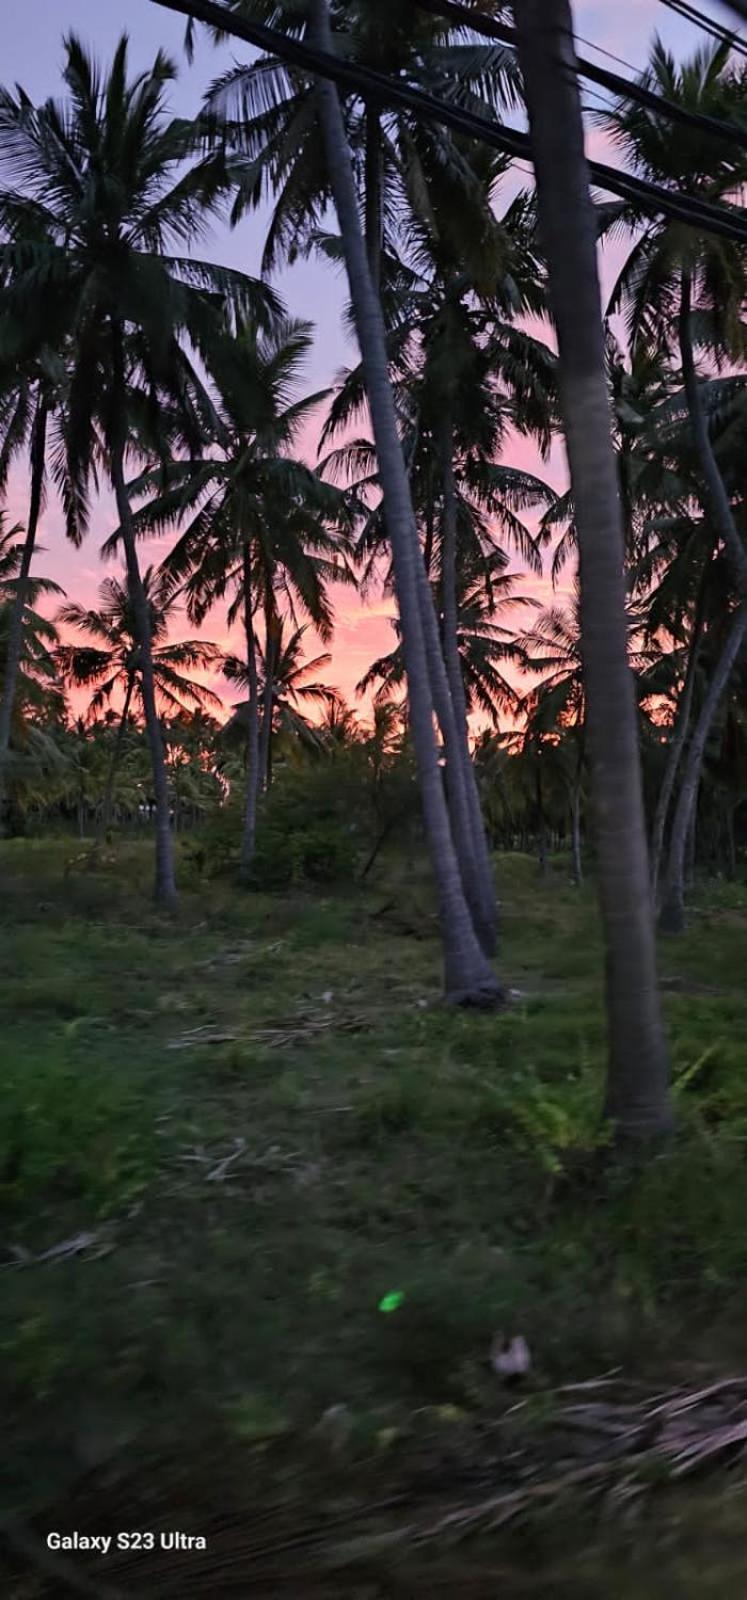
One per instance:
[(605, 1444)]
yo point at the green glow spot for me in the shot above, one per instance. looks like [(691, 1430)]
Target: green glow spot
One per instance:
[(391, 1302)]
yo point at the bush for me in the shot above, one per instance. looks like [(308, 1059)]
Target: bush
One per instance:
[(319, 823), (319, 853)]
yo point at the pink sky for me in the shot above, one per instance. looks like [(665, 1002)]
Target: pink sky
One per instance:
[(31, 39)]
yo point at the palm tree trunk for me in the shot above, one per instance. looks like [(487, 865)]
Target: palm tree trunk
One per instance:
[(672, 916), (114, 763), (468, 824), (576, 855), (469, 978), (253, 766), (15, 630), (691, 847), (637, 1098), (165, 883), (374, 197), (268, 700), (731, 840), (717, 499), (676, 744), (577, 866)]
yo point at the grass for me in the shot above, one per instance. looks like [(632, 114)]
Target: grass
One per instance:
[(263, 1121)]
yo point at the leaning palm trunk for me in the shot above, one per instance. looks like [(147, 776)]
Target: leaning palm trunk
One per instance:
[(15, 630), (468, 975), (106, 809), (717, 499), (468, 825), (165, 885), (637, 1099), (374, 192), (676, 747), (672, 916), (252, 767)]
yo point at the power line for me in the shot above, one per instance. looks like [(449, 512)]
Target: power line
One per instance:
[(709, 24), (465, 16), (601, 51), (647, 197)]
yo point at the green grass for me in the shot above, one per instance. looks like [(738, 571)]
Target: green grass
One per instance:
[(387, 1144)]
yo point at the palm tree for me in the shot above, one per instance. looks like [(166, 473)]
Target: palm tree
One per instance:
[(469, 978), (485, 645), (557, 703), (463, 373), (637, 1090), (680, 285), (32, 387), (677, 283), (270, 112), (113, 664), (29, 658), (260, 523), (288, 675), (110, 196)]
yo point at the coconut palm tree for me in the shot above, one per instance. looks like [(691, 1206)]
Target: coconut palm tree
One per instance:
[(260, 523), (486, 648), (112, 665), (32, 387), (289, 675), (469, 978), (30, 657), (269, 110), (464, 373), (685, 289), (106, 197), (680, 286), (637, 1089)]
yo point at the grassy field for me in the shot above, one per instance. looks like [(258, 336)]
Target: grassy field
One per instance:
[(224, 1139)]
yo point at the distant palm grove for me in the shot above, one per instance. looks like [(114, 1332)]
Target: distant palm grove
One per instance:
[(568, 671)]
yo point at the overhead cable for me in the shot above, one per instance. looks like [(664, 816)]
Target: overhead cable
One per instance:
[(466, 16), (648, 198), (709, 24)]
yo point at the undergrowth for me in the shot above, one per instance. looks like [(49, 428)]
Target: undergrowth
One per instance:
[(224, 1139)]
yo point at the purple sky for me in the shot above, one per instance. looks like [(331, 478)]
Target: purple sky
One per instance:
[(31, 52)]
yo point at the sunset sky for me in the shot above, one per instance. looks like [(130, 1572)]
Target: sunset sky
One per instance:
[(31, 40)]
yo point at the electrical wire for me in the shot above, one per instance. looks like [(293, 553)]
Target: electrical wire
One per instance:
[(465, 16), (709, 25), (645, 197)]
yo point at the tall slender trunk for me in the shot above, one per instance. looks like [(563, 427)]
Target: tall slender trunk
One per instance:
[(484, 895), (577, 866), (374, 193), (716, 497), (15, 630), (114, 763), (672, 916), (253, 767), (691, 847), (469, 978), (165, 883), (576, 854), (268, 702), (449, 577), (637, 1098), (731, 839), (677, 742)]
